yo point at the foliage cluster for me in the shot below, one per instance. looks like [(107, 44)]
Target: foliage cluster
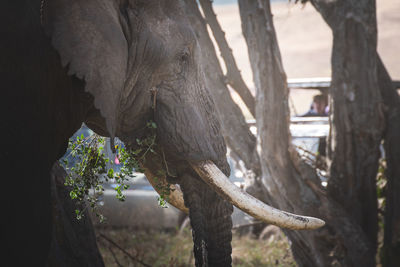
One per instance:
[(88, 169)]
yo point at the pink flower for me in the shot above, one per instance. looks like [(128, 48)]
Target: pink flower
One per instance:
[(116, 160)]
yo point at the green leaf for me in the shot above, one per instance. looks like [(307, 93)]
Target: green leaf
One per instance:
[(110, 173), (73, 195)]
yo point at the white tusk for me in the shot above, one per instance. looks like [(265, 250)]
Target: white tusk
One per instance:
[(238, 197), (175, 198)]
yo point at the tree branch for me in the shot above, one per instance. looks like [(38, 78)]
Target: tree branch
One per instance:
[(233, 76), (124, 251)]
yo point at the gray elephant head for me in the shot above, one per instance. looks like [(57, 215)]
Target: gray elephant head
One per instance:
[(140, 60)]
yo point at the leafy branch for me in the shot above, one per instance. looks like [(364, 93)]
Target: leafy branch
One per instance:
[(88, 169)]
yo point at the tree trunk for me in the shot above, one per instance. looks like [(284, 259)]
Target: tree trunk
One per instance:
[(357, 112), (73, 242), (390, 254), (291, 183)]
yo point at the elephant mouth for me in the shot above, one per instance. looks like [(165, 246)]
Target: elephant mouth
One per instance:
[(217, 180)]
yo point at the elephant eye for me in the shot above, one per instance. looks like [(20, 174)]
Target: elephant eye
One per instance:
[(183, 61), (184, 56)]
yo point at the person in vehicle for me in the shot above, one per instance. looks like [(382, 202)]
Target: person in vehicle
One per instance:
[(319, 106)]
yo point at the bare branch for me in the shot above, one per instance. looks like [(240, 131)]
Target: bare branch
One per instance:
[(233, 76), (124, 251)]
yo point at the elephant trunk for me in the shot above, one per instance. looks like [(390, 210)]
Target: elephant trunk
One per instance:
[(211, 222)]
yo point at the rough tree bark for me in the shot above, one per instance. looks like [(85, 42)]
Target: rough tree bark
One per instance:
[(363, 16), (390, 254), (73, 242), (358, 122), (358, 111)]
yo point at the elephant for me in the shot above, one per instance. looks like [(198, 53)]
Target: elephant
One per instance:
[(114, 65)]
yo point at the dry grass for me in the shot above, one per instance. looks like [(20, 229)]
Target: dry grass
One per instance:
[(249, 252), (156, 248)]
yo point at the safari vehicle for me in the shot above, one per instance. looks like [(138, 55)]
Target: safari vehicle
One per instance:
[(309, 138)]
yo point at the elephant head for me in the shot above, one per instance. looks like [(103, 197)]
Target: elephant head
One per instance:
[(140, 61)]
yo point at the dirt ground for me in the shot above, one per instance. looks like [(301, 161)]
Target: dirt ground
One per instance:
[(306, 41)]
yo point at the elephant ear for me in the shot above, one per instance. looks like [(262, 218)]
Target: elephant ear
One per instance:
[(90, 40)]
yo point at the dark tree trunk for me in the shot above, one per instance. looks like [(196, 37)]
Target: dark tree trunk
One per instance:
[(35, 134), (73, 241), (390, 254), (357, 113), (364, 19), (292, 185)]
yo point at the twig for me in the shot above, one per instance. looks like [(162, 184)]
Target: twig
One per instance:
[(115, 257), (41, 11), (124, 251), (190, 258), (305, 150), (293, 106), (154, 95), (148, 149), (183, 225), (166, 165), (311, 160), (233, 75), (83, 141)]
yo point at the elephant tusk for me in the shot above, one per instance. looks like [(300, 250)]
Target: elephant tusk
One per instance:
[(175, 198), (238, 197)]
